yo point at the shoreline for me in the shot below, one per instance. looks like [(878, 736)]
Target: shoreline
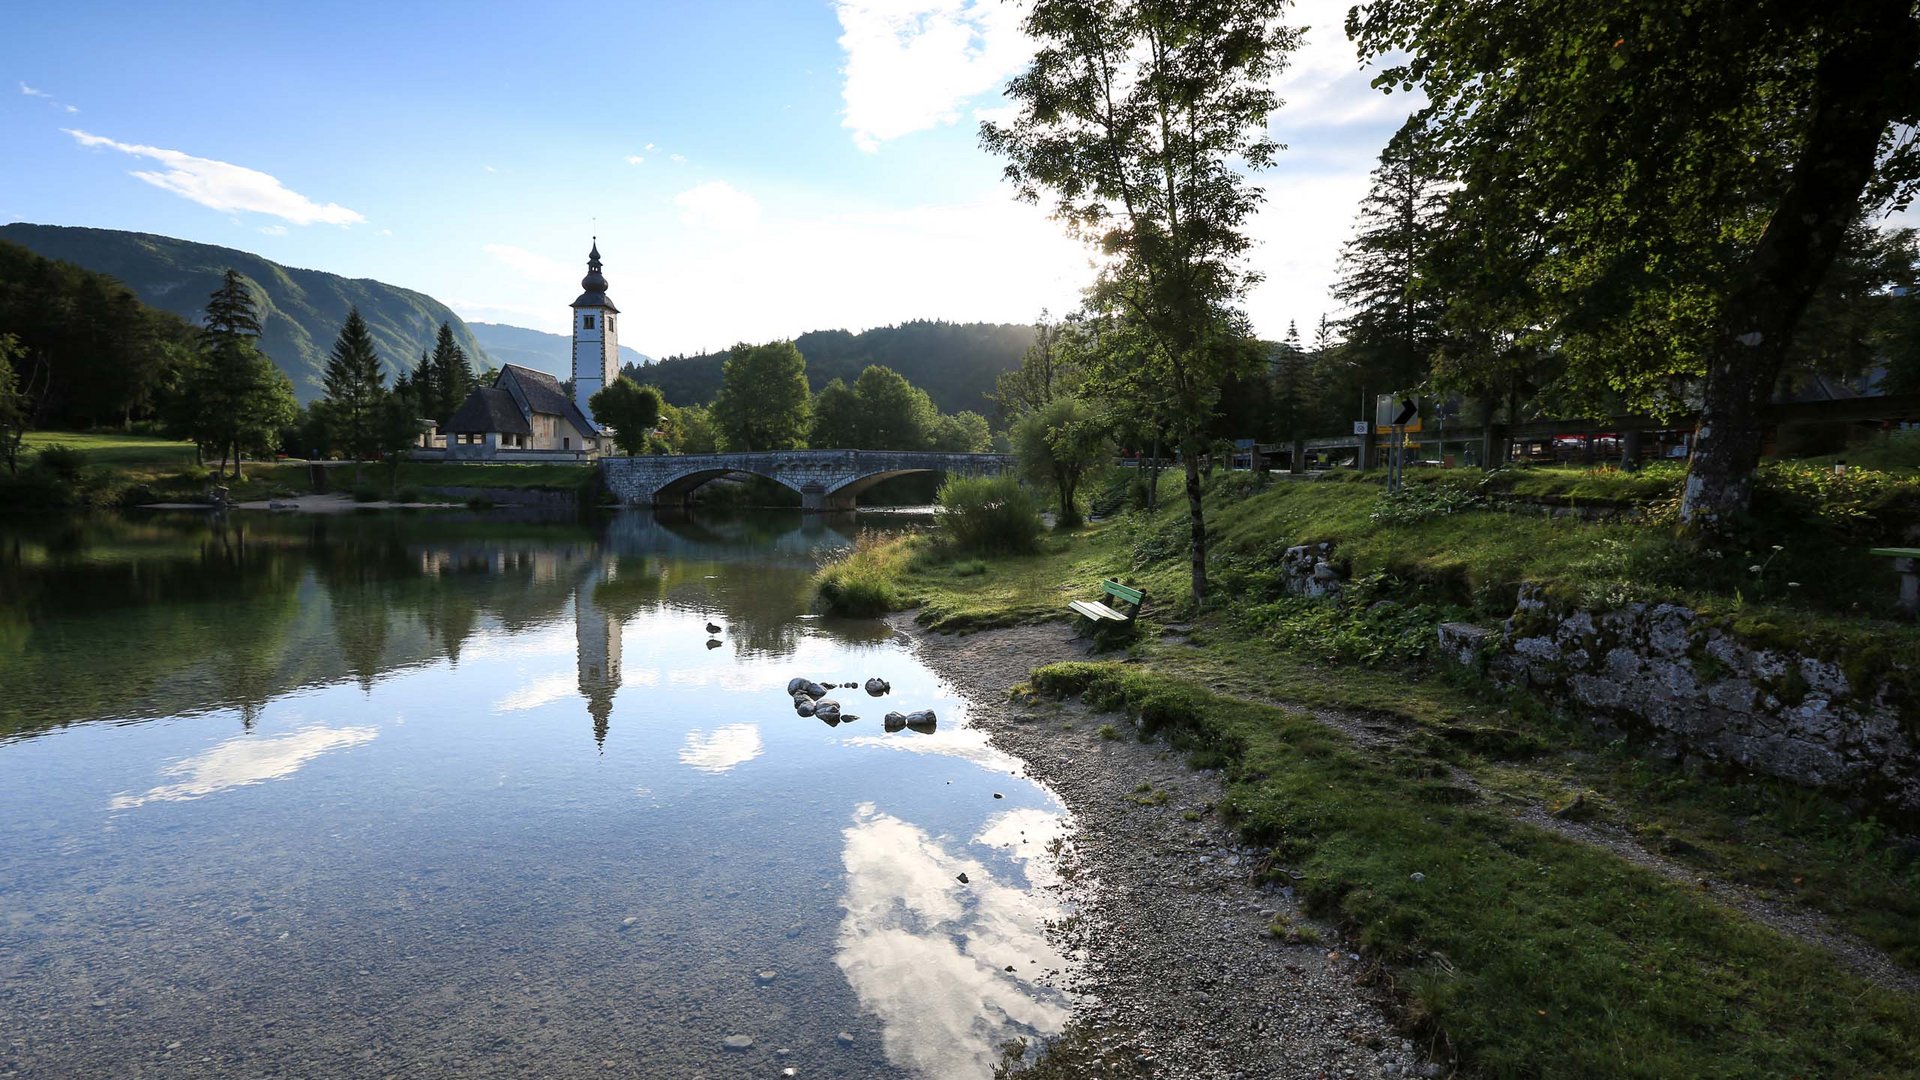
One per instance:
[(1181, 976)]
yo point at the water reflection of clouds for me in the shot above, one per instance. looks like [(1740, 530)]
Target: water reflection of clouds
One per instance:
[(968, 744), (724, 748), (539, 692), (928, 955), (246, 759)]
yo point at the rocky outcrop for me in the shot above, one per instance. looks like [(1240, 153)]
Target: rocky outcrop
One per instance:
[(1308, 570), (1690, 683)]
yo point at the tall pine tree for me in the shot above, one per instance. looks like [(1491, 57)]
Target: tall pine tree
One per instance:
[(355, 391), (452, 379), (237, 399), (1393, 322)]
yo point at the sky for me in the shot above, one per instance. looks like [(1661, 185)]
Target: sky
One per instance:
[(753, 169)]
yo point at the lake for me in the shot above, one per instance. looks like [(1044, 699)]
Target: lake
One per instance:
[(457, 794)]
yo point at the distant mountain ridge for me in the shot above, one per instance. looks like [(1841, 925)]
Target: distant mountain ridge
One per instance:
[(955, 363), (301, 310), (537, 349)]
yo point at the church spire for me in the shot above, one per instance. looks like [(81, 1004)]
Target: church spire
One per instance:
[(593, 282)]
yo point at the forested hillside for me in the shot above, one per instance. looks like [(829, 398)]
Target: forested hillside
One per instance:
[(300, 310), (955, 363)]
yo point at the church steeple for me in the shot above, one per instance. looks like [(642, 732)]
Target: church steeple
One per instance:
[(596, 351)]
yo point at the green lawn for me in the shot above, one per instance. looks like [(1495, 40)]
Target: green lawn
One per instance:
[(145, 454)]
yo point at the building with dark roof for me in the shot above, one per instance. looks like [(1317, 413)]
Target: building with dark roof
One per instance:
[(526, 415)]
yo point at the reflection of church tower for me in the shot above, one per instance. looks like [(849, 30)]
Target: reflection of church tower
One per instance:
[(598, 636)]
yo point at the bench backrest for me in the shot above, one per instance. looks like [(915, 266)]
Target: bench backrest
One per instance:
[(1122, 592)]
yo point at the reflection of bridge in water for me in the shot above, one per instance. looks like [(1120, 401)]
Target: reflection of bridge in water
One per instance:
[(824, 479)]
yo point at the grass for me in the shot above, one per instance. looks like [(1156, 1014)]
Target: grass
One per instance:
[(1527, 954), (865, 581)]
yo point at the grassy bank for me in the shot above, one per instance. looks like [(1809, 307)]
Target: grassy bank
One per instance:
[(91, 469), (1614, 955)]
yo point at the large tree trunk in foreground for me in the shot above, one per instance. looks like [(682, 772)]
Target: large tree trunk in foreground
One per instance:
[(1857, 88), (1196, 517)]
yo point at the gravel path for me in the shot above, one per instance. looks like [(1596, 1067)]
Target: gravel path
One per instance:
[(1183, 977)]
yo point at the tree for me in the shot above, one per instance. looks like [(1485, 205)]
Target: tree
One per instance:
[(451, 379), (1050, 364), (1057, 443), (894, 413), (19, 398), (1694, 168), (356, 394), (836, 418), (1291, 384), (1393, 315), (237, 400), (763, 402), (1133, 117), (962, 433), (631, 409)]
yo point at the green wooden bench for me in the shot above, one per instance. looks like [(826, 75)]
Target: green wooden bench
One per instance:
[(1906, 562), (1099, 614)]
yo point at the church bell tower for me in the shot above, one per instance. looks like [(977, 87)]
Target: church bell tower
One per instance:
[(596, 352)]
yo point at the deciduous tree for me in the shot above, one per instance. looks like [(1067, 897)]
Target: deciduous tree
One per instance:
[(631, 409), (763, 403), (1135, 119)]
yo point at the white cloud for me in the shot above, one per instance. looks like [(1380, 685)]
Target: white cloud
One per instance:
[(31, 92), (648, 147), (531, 265), (636, 159), (386, 232), (677, 159), (245, 760), (224, 186), (914, 64), (725, 748), (490, 168), (717, 204), (36, 92), (274, 230)]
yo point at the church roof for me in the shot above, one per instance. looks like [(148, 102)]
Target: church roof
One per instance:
[(488, 409), (594, 283), (544, 394)]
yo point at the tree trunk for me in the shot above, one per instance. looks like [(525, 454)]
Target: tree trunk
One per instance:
[(1857, 87), (1197, 518)]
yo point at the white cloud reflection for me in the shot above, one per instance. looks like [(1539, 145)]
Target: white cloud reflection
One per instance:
[(726, 747), (246, 759), (928, 955)]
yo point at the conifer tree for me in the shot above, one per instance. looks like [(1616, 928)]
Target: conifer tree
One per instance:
[(1393, 323), (355, 391), (1290, 388), (237, 400), (452, 378)]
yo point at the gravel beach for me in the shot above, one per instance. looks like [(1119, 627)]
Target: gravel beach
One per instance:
[(1183, 977)]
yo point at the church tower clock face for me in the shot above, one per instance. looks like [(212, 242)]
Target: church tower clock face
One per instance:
[(596, 349)]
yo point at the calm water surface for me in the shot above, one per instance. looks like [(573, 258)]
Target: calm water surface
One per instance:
[(430, 795)]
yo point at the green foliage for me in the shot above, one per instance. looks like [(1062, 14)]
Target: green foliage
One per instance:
[(355, 392), (231, 399), (836, 418), (16, 402), (961, 433), (894, 414), (1057, 444), (62, 461), (631, 410), (1141, 121), (865, 580), (989, 515), (1419, 502), (955, 363), (444, 379), (763, 402)]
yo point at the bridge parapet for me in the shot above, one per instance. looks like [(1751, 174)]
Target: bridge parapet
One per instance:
[(824, 479)]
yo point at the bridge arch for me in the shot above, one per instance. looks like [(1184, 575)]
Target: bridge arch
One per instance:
[(824, 479)]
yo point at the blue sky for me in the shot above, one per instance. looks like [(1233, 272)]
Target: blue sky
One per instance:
[(754, 169)]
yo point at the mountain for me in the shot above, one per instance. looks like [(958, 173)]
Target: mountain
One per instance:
[(551, 353), (300, 310), (955, 363)]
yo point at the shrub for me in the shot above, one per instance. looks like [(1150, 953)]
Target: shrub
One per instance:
[(366, 494), (864, 581), (990, 515), (63, 461), (407, 495)]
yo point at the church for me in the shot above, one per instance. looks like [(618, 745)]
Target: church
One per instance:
[(526, 415)]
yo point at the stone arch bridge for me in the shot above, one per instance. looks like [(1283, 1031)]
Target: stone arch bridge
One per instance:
[(824, 479)]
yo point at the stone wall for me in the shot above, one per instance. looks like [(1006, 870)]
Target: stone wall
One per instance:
[(1686, 682), (1664, 671)]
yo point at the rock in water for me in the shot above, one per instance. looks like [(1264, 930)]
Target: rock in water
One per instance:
[(796, 685), (922, 721), (737, 1042), (713, 643), (830, 721), (712, 628), (814, 690), (877, 686), (804, 708), (826, 708), (894, 721)]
